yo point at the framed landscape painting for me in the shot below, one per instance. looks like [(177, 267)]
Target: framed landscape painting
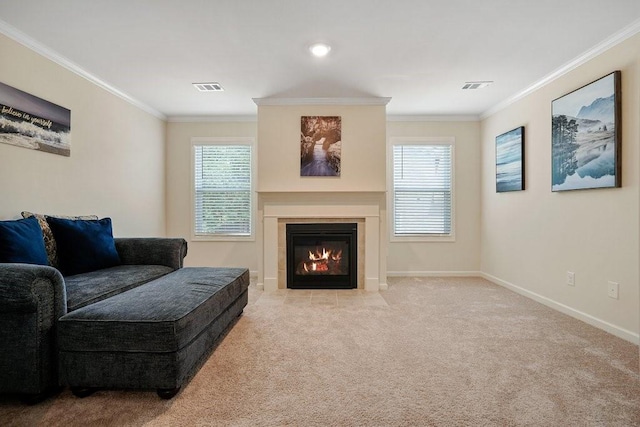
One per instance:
[(586, 136), (510, 161)]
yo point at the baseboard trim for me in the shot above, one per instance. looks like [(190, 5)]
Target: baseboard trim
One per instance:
[(434, 274), (587, 318)]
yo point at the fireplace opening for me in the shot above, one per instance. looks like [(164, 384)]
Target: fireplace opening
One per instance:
[(322, 256)]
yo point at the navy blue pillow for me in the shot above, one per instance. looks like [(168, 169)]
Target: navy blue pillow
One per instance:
[(21, 241), (83, 245)]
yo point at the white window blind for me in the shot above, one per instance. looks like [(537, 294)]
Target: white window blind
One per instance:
[(223, 194), (422, 184)]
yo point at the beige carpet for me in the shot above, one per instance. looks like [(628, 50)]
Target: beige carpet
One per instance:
[(430, 352)]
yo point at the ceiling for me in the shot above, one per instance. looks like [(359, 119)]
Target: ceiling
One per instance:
[(417, 52)]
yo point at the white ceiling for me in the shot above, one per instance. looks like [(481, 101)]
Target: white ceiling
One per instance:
[(418, 52)]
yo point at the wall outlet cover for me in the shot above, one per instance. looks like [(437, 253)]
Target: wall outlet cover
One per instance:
[(612, 289)]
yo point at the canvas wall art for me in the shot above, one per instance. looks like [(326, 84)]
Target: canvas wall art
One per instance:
[(510, 160), (320, 145), (586, 134), (31, 122)]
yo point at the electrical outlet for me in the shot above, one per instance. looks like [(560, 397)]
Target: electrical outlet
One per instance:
[(612, 290), (571, 278)]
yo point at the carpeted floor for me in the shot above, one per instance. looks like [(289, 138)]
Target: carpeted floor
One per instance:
[(427, 352)]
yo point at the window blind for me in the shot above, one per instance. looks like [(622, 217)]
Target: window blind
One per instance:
[(223, 190), (422, 190)]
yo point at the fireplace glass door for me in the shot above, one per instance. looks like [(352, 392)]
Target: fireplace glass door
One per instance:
[(321, 256)]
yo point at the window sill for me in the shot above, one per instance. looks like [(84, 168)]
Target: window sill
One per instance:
[(423, 239), (223, 238)]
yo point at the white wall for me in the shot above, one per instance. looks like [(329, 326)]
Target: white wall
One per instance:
[(530, 239), (463, 255), (116, 167), (201, 253)]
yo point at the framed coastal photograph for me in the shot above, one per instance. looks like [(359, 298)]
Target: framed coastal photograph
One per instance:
[(320, 145), (586, 136), (510, 161), (31, 122)]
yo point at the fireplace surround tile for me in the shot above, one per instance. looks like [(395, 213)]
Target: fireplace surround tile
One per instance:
[(367, 209)]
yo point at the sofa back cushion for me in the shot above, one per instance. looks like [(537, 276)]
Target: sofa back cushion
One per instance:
[(21, 241), (83, 245)]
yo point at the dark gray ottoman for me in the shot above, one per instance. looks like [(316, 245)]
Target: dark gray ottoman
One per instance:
[(155, 336)]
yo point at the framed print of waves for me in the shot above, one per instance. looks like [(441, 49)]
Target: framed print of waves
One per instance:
[(31, 122), (586, 136), (510, 161)]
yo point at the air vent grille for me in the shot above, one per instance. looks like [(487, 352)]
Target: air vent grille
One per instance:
[(208, 87), (476, 85)]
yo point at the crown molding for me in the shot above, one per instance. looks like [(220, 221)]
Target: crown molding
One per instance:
[(321, 101), (18, 36), (432, 118), (212, 119), (622, 35), (390, 118)]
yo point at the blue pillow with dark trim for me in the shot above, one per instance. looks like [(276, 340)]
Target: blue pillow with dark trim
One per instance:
[(84, 245), (21, 241)]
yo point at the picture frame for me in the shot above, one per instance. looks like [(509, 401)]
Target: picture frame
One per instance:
[(586, 132), (510, 163), (320, 146), (35, 123)]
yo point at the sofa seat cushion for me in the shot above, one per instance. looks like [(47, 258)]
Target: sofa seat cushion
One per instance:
[(88, 288), (161, 316)]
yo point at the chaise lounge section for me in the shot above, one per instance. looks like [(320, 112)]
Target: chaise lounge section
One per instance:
[(155, 336)]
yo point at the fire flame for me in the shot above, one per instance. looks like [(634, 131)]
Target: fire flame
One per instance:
[(318, 261), (318, 256)]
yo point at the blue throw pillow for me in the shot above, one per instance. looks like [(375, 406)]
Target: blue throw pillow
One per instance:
[(21, 241), (84, 245)]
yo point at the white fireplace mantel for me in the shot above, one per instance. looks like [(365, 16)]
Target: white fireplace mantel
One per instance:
[(366, 206)]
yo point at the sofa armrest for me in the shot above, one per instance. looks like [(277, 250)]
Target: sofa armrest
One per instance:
[(32, 299), (24, 286), (152, 251)]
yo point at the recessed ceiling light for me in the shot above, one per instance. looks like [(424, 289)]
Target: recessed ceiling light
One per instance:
[(320, 49), (476, 85), (208, 87)]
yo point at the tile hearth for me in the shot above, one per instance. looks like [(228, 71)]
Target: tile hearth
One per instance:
[(319, 298)]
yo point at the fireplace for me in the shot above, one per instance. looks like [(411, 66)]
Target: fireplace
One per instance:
[(322, 255)]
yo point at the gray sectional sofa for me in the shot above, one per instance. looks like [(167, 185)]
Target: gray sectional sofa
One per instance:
[(147, 323)]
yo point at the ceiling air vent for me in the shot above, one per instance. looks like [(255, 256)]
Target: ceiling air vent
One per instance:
[(208, 87), (476, 85)]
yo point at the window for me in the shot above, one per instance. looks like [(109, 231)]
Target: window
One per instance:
[(422, 188), (223, 191)]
